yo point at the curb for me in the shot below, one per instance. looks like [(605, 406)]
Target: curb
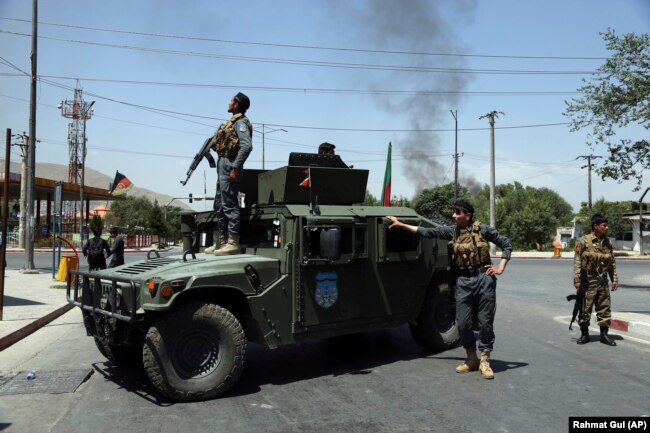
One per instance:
[(26, 330), (640, 328)]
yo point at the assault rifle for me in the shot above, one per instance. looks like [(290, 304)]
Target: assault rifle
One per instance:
[(203, 153), (579, 297)]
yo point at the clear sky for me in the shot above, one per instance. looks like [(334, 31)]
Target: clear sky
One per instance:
[(359, 74)]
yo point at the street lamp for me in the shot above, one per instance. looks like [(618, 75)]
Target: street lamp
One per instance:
[(264, 132), (189, 198)]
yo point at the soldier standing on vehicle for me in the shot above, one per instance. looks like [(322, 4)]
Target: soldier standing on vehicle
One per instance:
[(475, 279), (593, 262), (117, 254), (233, 144), (94, 249)]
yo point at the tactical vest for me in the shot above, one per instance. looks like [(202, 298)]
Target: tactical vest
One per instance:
[(470, 247), (226, 141), (596, 257)]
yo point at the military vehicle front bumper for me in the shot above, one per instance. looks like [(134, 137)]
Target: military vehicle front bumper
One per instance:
[(112, 297)]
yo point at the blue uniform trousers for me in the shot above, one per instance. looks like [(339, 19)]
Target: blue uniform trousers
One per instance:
[(476, 303), (226, 198)]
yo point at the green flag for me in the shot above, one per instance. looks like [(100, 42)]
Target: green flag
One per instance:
[(385, 193)]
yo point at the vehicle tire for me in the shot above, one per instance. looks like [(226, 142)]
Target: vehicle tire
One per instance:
[(194, 352), (436, 328), (120, 355)]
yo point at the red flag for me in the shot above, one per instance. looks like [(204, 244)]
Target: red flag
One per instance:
[(307, 181), (121, 184), (385, 193)]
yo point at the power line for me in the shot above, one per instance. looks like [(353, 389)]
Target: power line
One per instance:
[(319, 63), (309, 47), (311, 90), (318, 128)]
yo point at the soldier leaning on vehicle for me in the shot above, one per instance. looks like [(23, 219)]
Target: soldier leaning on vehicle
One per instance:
[(475, 279)]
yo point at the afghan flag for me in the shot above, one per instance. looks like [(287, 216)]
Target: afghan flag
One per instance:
[(121, 184), (307, 181), (385, 193)]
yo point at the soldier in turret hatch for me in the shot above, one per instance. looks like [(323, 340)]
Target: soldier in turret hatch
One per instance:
[(326, 149)]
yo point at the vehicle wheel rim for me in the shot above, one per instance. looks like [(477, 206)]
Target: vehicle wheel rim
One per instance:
[(196, 355)]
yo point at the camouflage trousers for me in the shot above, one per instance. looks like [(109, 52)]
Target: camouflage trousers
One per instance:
[(226, 198), (597, 297)]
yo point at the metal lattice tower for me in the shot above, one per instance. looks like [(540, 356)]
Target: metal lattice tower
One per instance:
[(79, 111)]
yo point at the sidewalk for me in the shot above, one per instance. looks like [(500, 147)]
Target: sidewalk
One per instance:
[(31, 301)]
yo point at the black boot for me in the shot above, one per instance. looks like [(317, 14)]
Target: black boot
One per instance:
[(584, 338), (604, 338)]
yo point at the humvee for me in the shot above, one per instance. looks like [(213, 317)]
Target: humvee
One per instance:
[(314, 264)]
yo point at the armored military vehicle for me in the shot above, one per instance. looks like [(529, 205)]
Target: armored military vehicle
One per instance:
[(314, 264)]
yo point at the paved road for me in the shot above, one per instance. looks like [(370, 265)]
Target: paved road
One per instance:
[(377, 382)]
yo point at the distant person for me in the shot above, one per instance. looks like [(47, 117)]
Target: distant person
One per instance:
[(233, 143), (117, 255), (475, 279), (593, 262), (94, 250), (326, 149)]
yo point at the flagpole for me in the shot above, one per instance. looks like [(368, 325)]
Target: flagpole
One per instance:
[(311, 204)]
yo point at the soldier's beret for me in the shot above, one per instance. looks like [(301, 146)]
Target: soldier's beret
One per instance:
[(243, 101)]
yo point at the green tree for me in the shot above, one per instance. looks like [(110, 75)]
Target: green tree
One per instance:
[(132, 212), (618, 95), (157, 223), (400, 201), (370, 199), (96, 224), (438, 202), (173, 222), (528, 216)]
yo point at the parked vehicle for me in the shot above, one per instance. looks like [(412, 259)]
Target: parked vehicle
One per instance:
[(314, 265)]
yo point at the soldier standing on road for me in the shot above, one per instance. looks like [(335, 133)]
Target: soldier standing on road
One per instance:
[(94, 250), (117, 254), (475, 279), (233, 144), (593, 262)]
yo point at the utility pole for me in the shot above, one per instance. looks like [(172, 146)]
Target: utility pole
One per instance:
[(264, 132), (493, 208), (22, 221), (588, 166), (5, 218), (455, 114), (29, 267), (641, 221)]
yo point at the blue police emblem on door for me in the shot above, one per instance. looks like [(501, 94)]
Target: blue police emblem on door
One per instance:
[(327, 292)]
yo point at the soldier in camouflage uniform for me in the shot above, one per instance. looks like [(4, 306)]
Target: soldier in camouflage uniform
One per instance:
[(593, 262), (475, 277), (233, 144)]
